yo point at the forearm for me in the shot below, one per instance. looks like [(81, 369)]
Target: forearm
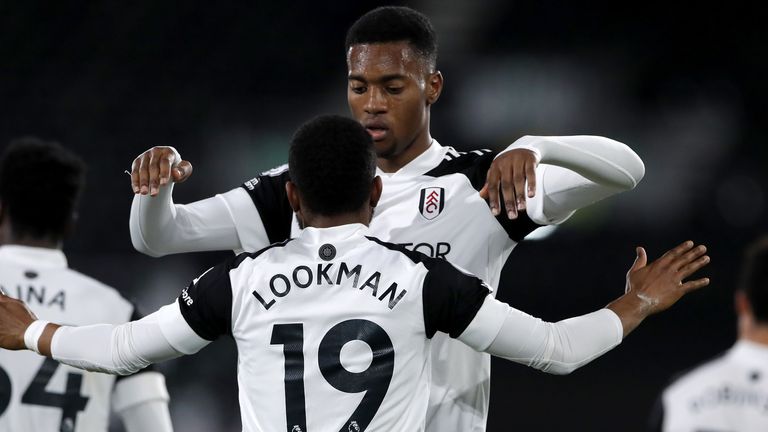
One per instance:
[(576, 171), (631, 309), (601, 160), (121, 349), (557, 348), (160, 227)]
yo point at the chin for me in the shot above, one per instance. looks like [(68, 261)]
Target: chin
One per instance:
[(385, 150)]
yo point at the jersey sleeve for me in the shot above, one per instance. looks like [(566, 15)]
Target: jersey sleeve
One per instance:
[(267, 191), (206, 304), (451, 298)]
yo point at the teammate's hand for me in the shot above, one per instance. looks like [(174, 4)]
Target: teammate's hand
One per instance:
[(15, 317), (156, 167), (654, 287), (511, 170), (661, 284)]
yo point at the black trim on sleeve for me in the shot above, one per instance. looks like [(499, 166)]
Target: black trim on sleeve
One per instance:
[(451, 298), (206, 304), (474, 165), (268, 194)]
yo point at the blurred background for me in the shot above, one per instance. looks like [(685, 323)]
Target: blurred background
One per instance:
[(683, 84)]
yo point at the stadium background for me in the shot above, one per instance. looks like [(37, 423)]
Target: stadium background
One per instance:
[(683, 84)]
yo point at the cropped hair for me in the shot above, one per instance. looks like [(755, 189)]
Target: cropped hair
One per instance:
[(40, 184), (396, 24), (332, 162), (754, 278)]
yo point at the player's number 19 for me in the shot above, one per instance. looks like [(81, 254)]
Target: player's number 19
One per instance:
[(374, 380)]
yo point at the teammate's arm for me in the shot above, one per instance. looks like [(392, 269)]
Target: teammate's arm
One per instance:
[(575, 171), (566, 345), (141, 402), (160, 227)]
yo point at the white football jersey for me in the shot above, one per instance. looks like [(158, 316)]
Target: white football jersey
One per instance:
[(727, 394), (38, 394), (333, 329), (431, 206)]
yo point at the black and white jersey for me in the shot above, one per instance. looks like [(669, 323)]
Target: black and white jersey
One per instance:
[(333, 329), (431, 206), (38, 394), (727, 394)]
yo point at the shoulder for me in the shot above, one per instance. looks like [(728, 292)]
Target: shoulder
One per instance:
[(471, 163), (96, 288), (698, 375)]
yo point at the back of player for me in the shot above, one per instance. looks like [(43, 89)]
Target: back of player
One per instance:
[(39, 394), (331, 329), (40, 184)]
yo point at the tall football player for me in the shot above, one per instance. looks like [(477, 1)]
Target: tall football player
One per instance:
[(433, 199), (333, 328), (39, 187)]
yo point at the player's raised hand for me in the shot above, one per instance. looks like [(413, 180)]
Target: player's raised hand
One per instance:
[(156, 167), (15, 317), (654, 287), (510, 172)]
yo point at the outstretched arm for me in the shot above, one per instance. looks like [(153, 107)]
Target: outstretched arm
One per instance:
[(115, 349), (566, 345), (160, 227), (575, 171)]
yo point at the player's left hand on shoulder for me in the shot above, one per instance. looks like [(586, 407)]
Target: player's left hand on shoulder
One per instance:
[(510, 172), (15, 317)]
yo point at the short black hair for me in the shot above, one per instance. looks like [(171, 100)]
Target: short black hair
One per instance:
[(754, 278), (40, 183), (396, 24), (332, 162)]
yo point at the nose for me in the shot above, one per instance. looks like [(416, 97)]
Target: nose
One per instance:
[(376, 101)]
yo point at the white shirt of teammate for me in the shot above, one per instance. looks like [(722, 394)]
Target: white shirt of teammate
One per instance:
[(39, 394), (729, 393), (333, 331), (430, 205)]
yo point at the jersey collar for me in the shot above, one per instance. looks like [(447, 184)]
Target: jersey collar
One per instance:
[(423, 163), (33, 256), (751, 352), (333, 234)]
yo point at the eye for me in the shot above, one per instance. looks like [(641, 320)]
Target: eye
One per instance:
[(394, 90), (358, 89)]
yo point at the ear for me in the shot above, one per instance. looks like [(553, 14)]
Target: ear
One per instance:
[(376, 189), (434, 87), (293, 196)]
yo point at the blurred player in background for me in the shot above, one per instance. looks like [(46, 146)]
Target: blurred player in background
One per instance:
[(40, 183), (433, 199), (729, 393), (338, 323)]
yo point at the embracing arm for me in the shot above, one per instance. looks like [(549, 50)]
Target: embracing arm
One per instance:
[(564, 346), (117, 349), (160, 227), (575, 171)]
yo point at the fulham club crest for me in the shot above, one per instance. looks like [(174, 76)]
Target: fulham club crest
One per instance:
[(431, 202)]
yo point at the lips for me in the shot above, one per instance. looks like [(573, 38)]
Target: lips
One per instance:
[(377, 129)]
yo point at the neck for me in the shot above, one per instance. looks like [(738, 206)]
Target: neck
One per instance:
[(419, 145), (323, 221), (757, 333), (40, 242)]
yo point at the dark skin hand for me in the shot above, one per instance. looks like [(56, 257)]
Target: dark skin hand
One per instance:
[(509, 173), (652, 288), (15, 317), (157, 167)]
